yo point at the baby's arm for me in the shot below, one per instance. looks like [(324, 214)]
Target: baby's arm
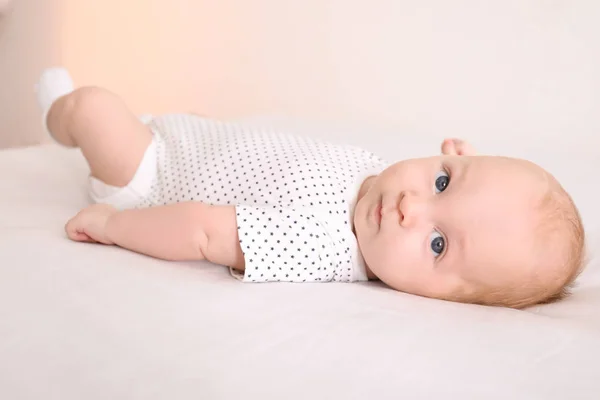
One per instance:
[(177, 232)]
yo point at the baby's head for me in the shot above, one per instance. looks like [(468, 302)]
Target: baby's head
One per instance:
[(487, 230)]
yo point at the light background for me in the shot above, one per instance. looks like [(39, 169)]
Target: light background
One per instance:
[(516, 77)]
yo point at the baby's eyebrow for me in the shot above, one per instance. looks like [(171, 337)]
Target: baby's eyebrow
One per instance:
[(457, 239), (459, 172), (457, 248), (461, 244)]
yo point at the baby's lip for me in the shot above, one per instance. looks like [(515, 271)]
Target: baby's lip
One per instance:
[(377, 213), (389, 207)]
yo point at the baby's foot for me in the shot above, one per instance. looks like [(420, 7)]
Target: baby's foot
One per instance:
[(53, 84)]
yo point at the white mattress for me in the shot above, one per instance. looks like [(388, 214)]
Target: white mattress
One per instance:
[(90, 322)]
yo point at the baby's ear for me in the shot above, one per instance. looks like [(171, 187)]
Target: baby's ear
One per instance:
[(457, 147)]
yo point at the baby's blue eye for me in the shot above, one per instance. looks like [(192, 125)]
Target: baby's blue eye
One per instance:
[(442, 180), (437, 243)]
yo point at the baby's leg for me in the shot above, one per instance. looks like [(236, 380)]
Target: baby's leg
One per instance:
[(110, 136)]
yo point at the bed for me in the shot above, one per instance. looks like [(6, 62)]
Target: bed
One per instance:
[(81, 321)]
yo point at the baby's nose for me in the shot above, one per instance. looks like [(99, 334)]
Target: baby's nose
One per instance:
[(413, 209)]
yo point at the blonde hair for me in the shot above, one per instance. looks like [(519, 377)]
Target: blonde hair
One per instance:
[(560, 242)]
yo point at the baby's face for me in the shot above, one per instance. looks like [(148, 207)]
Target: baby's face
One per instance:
[(442, 225)]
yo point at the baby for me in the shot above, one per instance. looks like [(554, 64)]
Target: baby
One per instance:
[(277, 207)]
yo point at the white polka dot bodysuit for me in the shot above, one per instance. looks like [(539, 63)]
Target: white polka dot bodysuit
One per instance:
[(294, 196)]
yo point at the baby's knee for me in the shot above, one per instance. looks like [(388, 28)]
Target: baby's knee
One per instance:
[(85, 104), (87, 99)]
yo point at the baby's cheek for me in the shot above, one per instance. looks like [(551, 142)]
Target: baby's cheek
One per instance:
[(387, 253), (409, 251), (403, 245)]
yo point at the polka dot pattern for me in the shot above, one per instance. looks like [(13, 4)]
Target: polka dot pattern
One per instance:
[(293, 195)]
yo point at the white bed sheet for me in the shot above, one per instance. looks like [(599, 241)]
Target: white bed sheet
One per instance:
[(90, 322)]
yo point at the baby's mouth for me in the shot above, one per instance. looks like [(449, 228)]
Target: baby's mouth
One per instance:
[(377, 213)]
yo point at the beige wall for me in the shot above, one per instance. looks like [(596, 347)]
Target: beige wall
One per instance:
[(28, 41), (464, 67)]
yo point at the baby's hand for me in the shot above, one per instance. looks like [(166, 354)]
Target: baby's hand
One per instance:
[(89, 225), (457, 147)]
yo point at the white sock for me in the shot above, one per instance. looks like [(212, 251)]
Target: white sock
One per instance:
[(53, 84)]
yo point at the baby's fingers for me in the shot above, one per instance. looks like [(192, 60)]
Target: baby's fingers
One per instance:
[(457, 147), (75, 231), (82, 237), (448, 147)]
